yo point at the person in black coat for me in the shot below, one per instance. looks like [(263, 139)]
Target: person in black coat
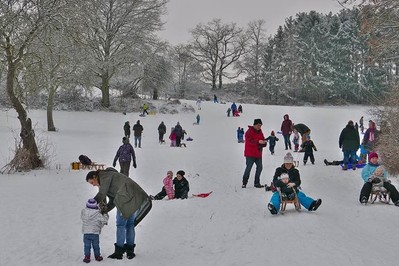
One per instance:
[(181, 185), (179, 134), (349, 141), (138, 130), (161, 132), (126, 129)]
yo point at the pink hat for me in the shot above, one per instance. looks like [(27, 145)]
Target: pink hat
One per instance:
[(372, 155)]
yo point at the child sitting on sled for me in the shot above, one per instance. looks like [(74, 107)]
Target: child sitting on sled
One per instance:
[(167, 189), (287, 193)]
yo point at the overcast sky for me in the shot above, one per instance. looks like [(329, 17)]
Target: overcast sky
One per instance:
[(184, 15)]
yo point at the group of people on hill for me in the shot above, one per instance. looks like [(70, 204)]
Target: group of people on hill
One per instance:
[(234, 110)]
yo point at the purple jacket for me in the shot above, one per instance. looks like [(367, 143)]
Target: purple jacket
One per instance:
[(125, 153)]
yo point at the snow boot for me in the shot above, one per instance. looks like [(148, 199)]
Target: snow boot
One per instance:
[(118, 254), (272, 209), (86, 259), (364, 200), (99, 258), (130, 251), (326, 162), (315, 205), (244, 185), (354, 167), (259, 186)]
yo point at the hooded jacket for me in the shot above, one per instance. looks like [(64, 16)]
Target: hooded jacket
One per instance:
[(93, 221), (286, 126)]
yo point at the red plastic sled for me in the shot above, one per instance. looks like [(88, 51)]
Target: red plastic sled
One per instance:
[(202, 195)]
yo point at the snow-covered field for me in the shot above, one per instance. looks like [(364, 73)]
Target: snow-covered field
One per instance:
[(40, 210)]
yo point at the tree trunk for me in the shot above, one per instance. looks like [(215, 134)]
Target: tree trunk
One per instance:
[(220, 79), (50, 105), (155, 94), (27, 134), (214, 78), (105, 90)]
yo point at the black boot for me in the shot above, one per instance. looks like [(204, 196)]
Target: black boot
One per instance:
[(118, 254), (130, 251)]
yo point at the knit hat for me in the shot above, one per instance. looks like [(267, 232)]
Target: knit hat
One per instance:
[(288, 158), (372, 155), (284, 175), (91, 204), (181, 172), (258, 121)]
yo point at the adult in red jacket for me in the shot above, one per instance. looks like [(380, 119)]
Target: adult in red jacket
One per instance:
[(286, 130), (254, 144)]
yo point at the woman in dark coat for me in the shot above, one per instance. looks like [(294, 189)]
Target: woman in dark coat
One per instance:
[(349, 141), (286, 130)]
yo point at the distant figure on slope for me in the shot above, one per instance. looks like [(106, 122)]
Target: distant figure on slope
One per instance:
[(126, 129), (303, 130), (308, 147), (125, 154), (199, 103), (228, 112), (254, 144), (286, 130), (138, 131), (240, 108), (233, 108), (361, 124), (161, 132), (179, 132), (240, 135), (349, 142), (370, 137), (172, 137), (92, 223), (145, 109), (167, 189), (272, 141), (371, 176), (198, 118), (295, 141), (294, 182), (215, 99)]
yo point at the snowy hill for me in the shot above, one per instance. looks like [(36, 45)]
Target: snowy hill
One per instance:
[(40, 221)]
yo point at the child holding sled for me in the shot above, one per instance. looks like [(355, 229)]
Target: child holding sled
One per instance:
[(93, 220), (272, 141), (167, 189)]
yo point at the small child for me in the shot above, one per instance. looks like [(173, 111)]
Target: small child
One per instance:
[(295, 141), (287, 193), (172, 137), (167, 189), (93, 220), (378, 177), (228, 112), (363, 154), (240, 135), (272, 141), (308, 147), (181, 185)]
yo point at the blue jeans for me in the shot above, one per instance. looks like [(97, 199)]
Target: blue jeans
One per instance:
[(350, 157), (125, 229), (137, 139), (287, 141), (304, 200), (91, 240), (250, 162)]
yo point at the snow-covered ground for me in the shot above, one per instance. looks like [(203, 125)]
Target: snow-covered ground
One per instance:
[(40, 210)]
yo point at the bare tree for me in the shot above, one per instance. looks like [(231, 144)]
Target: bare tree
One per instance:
[(251, 63), (115, 33), (216, 47), (21, 22)]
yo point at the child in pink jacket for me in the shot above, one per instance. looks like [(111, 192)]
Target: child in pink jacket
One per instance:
[(167, 189)]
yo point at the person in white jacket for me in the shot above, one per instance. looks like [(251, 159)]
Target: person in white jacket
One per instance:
[(93, 220)]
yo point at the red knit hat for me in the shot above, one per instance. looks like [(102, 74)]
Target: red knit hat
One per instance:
[(372, 155)]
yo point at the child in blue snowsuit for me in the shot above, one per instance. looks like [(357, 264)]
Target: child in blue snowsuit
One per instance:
[(294, 182), (272, 141), (240, 135)]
